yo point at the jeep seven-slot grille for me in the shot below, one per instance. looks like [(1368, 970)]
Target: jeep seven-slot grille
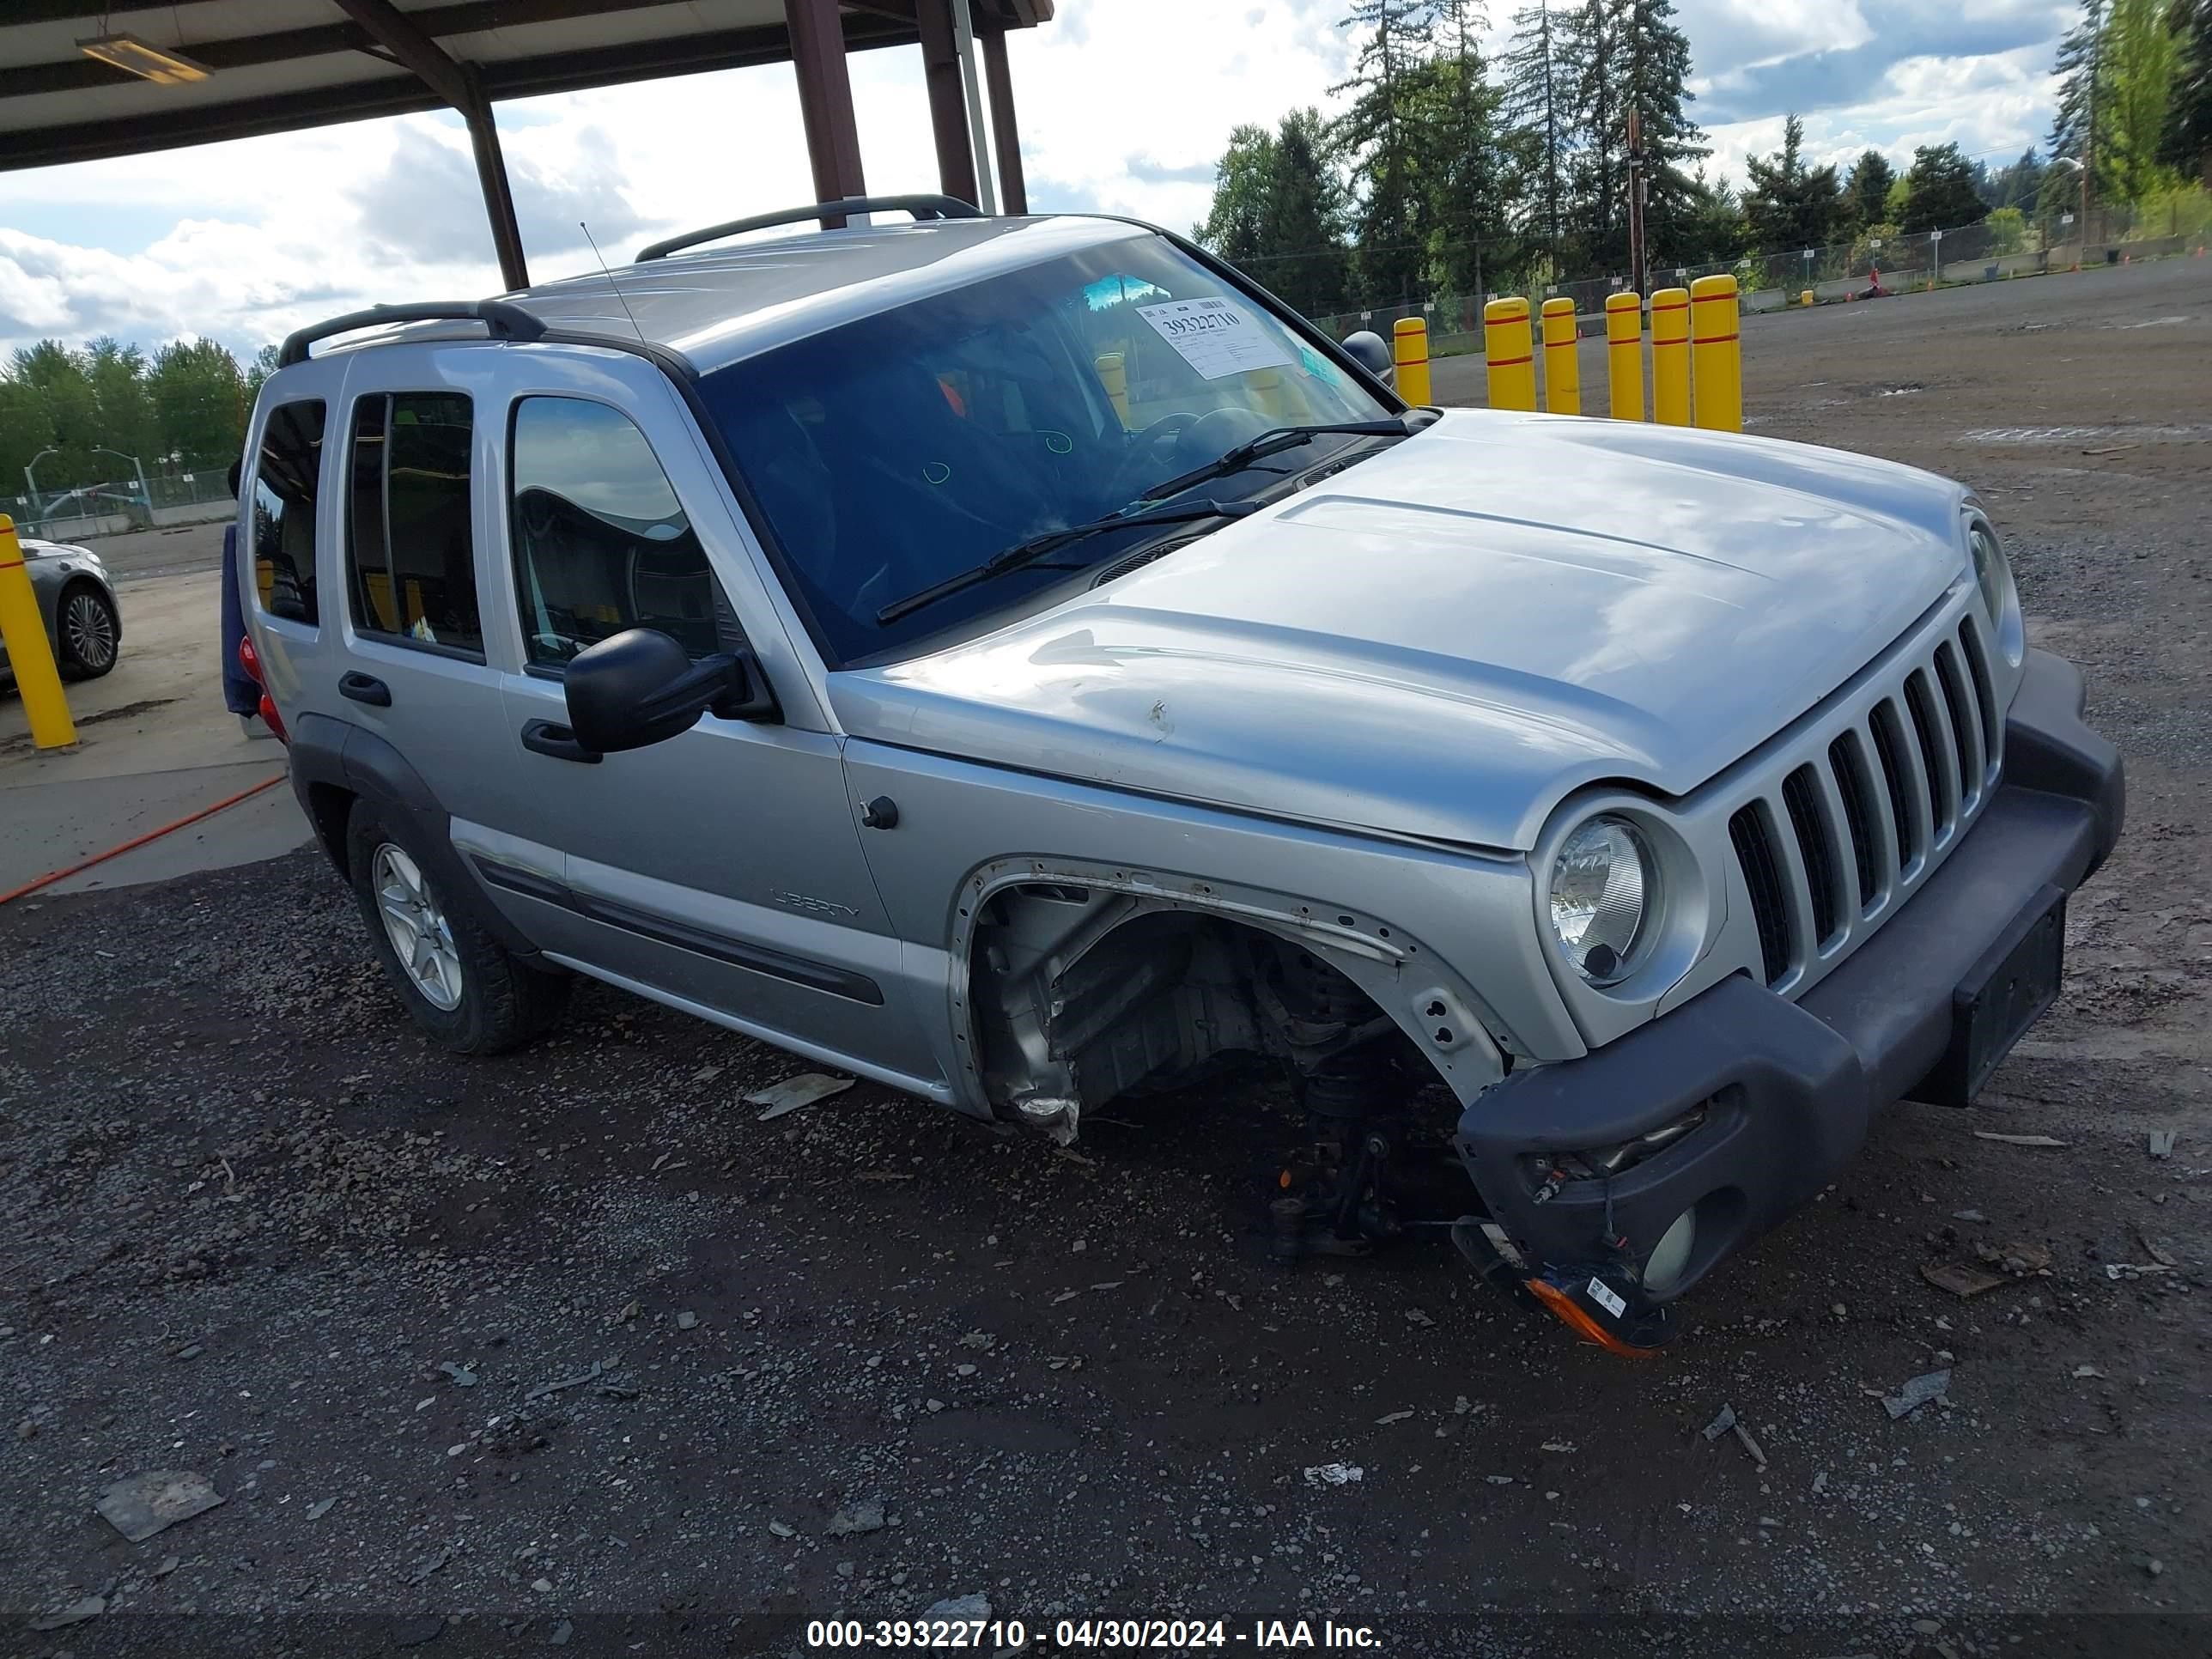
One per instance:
[(1801, 795), (1845, 766), (1864, 815), (1754, 850)]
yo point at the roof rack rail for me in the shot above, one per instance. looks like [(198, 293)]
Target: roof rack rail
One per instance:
[(505, 322), (922, 207)]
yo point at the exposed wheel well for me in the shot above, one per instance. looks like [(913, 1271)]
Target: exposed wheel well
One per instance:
[(1076, 993)]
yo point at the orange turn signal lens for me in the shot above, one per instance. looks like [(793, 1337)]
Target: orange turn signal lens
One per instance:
[(1576, 1318)]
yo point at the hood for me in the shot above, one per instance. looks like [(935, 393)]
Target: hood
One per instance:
[(1446, 639)]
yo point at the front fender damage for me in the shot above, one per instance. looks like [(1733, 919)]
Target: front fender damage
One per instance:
[(1082, 984)]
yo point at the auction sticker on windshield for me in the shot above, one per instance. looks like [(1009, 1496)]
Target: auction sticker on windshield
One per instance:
[(1218, 338)]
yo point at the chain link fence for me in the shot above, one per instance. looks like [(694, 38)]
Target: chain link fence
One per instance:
[(1892, 262), (171, 495)]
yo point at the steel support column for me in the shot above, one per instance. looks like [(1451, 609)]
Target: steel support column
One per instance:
[(948, 100), (499, 198), (457, 84), (825, 98), (1014, 191)]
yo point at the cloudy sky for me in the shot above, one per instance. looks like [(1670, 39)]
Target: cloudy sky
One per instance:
[(1123, 106)]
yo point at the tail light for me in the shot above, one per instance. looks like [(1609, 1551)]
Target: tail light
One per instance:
[(249, 660)]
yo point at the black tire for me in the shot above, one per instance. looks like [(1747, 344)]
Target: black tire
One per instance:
[(86, 645), (503, 1002)]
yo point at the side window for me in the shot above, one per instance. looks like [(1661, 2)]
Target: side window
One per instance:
[(411, 555), (600, 542), (284, 488)]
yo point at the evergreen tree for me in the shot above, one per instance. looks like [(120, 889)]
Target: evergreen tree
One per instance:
[(1624, 55), (1377, 133), (1656, 62), (1302, 217), (2077, 130), (1535, 102), (1788, 205), (1278, 210), (2188, 141), (1240, 181), (2019, 185), (1464, 188), (1588, 49), (1941, 190), (1714, 229), (1867, 192)]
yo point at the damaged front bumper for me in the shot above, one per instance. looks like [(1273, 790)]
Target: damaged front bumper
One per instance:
[(1778, 1094)]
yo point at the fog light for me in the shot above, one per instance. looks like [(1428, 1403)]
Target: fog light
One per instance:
[(1663, 1267)]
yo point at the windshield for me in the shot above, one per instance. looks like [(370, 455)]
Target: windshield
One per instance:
[(895, 452)]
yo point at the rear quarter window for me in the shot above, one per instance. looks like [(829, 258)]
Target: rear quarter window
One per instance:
[(286, 481)]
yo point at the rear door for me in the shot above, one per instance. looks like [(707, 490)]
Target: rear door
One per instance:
[(722, 868), (410, 526)]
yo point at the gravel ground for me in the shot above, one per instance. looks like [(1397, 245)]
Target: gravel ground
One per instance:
[(569, 1350)]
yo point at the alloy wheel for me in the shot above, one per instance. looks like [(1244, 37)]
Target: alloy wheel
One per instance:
[(421, 937), (88, 627)]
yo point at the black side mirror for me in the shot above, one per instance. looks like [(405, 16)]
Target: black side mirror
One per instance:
[(1372, 353), (640, 687)]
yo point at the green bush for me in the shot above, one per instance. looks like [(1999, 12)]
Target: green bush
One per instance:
[(2183, 211)]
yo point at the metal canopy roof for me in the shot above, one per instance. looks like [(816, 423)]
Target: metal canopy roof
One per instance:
[(278, 65)]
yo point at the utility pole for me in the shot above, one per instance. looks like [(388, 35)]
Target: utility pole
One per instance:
[(1637, 194)]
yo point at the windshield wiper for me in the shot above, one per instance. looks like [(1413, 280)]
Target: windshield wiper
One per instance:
[(1270, 441), (1029, 552)]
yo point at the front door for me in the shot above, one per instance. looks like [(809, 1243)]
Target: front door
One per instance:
[(721, 869)]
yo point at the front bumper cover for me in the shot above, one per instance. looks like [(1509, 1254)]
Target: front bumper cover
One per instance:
[(1787, 1088)]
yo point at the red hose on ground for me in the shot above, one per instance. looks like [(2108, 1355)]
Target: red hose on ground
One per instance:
[(53, 876)]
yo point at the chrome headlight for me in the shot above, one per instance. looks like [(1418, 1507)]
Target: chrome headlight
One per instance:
[(1604, 894), (2000, 592)]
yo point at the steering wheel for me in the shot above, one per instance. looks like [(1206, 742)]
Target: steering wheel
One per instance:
[(1149, 454), (1167, 428)]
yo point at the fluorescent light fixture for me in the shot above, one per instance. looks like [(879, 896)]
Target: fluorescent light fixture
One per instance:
[(159, 66)]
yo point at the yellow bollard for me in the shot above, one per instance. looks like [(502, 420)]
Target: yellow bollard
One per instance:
[(1713, 343), (30, 653), (1507, 356), (1624, 354), (1267, 385), (1114, 378), (1563, 368), (1409, 347), (1670, 356)]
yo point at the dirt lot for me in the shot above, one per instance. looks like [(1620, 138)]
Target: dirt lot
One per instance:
[(255, 1229)]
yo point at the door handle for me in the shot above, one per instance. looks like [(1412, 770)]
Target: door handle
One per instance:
[(548, 738), (365, 688)]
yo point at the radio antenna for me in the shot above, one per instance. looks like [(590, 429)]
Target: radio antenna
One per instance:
[(611, 283)]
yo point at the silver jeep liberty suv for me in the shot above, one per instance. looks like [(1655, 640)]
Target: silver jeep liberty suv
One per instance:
[(1017, 660)]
